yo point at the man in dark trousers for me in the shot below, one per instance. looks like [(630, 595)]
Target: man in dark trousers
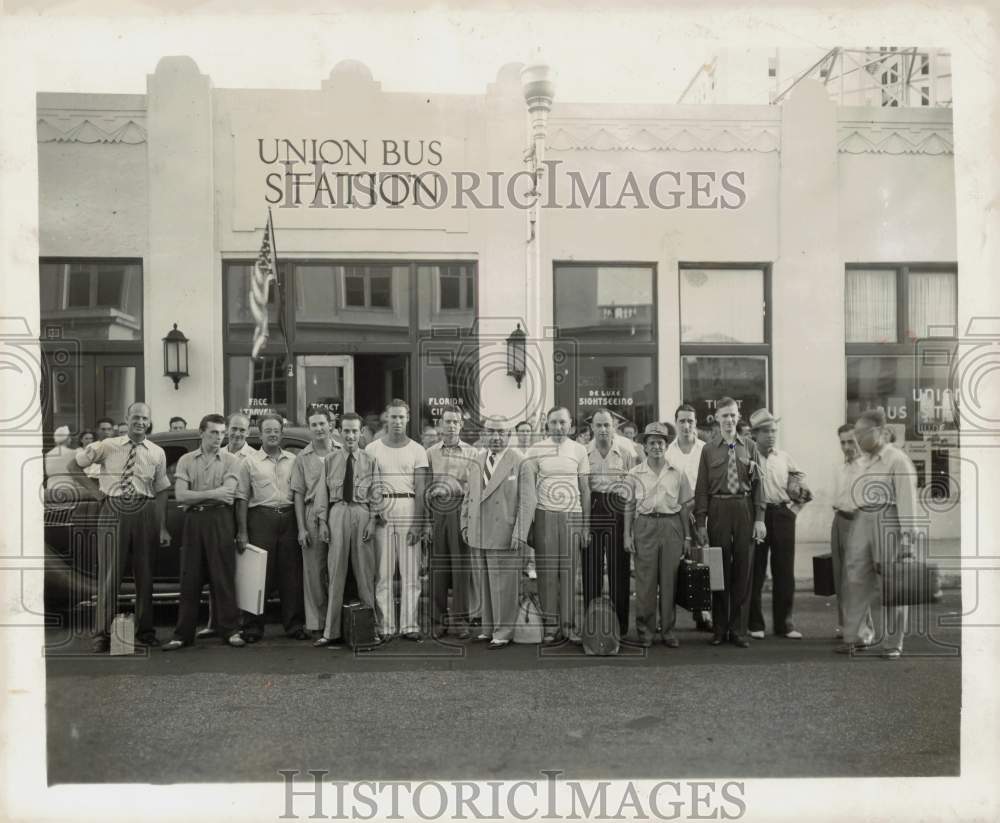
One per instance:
[(134, 486), (265, 517), (729, 496), (205, 485), (612, 457), (779, 519)]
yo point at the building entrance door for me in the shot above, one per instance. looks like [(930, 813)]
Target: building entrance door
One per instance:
[(85, 387), (324, 380)]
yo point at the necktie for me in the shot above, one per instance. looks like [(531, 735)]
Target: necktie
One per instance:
[(732, 474), (488, 469), (126, 479), (349, 479)]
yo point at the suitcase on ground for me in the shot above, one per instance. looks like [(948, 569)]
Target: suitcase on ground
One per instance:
[(824, 583), (908, 582), (357, 625), (600, 628), (528, 628), (694, 586), (123, 635)]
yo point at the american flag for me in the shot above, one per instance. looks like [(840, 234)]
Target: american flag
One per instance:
[(264, 274)]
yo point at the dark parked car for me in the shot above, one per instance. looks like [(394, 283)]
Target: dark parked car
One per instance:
[(71, 519)]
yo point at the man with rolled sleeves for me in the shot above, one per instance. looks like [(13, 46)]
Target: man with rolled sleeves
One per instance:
[(206, 481), (558, 469), (265, 517), (656, 534), (729, 497), (495, 517), (350, 493), (611, 457), (134, 484), (308, 473), (451, 462), (886, 494), (845, 511), (777, 467)]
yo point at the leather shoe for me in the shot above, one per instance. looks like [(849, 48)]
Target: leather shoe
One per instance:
[(173, 645), (206, 632), (299, 634), (149, 640), (671, 642), (414, 636), (741, 642), (717, 639), (758, 634), (320, 642), (99, 645), (794, 634), (497, 644), (251, 637), (236, 641)]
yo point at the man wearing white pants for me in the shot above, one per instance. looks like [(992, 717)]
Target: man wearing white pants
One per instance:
[(404, 468)]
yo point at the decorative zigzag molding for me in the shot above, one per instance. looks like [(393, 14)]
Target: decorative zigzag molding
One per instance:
[(895, 138), (92, 127), (674, 135)]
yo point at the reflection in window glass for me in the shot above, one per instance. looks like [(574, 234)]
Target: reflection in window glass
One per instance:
[(256, 387), (705, 379), (119, 390), (447, 296), (92, 300), (611, 303), (449, 374), (933, 304), (870, 306), (722, 306)]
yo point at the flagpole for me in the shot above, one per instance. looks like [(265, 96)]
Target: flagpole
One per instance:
[(289, 362)]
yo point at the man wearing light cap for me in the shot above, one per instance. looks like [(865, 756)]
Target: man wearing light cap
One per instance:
[(780, 511)]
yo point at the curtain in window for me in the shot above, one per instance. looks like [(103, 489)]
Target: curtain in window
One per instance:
[(722, 306), (871, 306), (933, 301)]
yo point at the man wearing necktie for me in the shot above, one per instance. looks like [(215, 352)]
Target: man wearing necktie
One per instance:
[(349, 493), (134, 485), (729, 495), (451, 462)]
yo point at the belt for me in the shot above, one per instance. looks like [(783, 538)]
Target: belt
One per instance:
[(846, 515), (880, 508), (777, 505), (207, 507), (731, 496), (108, 497), (276, 509), (400, 494), (659, 514), (349, 503)]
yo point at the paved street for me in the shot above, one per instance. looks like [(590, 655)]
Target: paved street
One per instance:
[(782, 708)]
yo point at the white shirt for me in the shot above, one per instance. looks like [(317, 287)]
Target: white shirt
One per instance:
[(687, 463), (559, 467), (398, 464), (607, 474), (778, 465), (844, 490)]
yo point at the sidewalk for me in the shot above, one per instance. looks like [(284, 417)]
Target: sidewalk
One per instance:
[(944, 552)]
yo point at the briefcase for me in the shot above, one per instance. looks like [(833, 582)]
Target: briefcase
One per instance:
[(711, 556), (123, 635), (908, 582), (824, 583), (694, 586), (357, 625)]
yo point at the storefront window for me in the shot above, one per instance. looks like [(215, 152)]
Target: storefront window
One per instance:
[(621, 383), (91, 300), (257, 387), (604, 303), (932, 302), (871, 306), (722, 305), (241, 322), (447, 296), (706, 378), (449, 374)]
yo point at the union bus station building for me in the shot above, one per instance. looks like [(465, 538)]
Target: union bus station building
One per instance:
[(797, 256)]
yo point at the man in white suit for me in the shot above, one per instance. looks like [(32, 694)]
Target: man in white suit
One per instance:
[(496, 515)]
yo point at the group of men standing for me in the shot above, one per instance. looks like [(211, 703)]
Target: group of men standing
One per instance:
[(485, 519)]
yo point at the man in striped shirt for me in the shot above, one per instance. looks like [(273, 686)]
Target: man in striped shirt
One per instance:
[(134, 484)]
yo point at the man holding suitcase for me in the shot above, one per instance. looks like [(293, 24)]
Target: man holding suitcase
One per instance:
[(729, 496)]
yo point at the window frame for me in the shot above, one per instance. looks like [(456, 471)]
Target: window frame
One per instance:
[(702, 349), (626, 347), (904, 344)]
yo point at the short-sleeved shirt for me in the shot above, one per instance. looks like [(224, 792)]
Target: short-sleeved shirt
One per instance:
[(607, 474), (665, 492), (204, 472), (397, 465), (559, 467), (149, 473), (778, 466), (687, 463), (309, 471), (244, 451), (888, 478), (450, 465), (266, 481)]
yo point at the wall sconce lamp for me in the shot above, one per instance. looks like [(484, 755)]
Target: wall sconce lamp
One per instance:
[(516, 345), (175, 355)]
